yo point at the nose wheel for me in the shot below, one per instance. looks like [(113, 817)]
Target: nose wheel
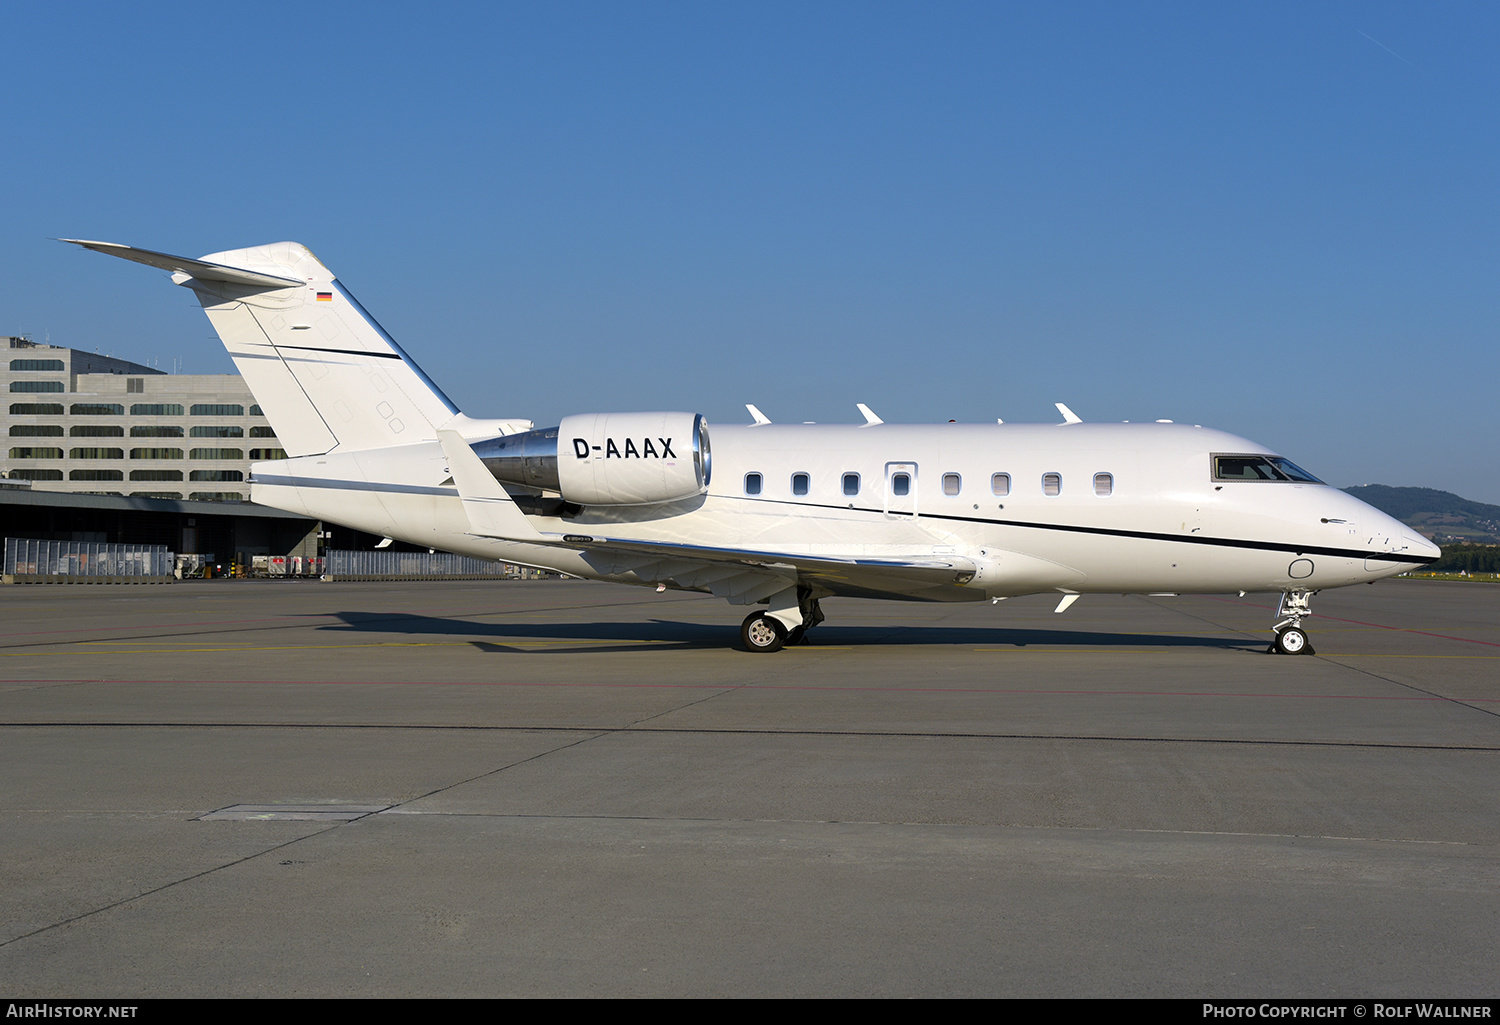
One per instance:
[(1291, 639)]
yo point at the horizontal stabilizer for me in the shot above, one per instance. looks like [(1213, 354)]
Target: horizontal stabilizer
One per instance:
[(199, 269)]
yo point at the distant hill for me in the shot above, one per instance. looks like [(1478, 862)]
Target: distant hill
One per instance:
[(1440, 515)]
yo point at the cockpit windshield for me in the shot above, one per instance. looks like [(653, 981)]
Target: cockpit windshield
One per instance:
[(1273, 468)]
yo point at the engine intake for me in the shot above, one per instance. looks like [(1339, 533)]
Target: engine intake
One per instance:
[(608, 458)]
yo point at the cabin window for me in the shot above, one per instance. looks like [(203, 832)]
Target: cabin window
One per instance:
[(1052, 484), (900, 484), (1104, 484), (800, 482), (752, 483), (851, 484), (999, 484), (951, 483)]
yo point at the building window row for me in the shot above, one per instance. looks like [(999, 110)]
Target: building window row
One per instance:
[(33, 386), (37, 364), (136, 409)]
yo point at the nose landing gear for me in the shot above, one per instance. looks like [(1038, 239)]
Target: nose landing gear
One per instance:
[(1291, 639)]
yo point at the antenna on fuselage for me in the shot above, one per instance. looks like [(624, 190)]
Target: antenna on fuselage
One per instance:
[(871, 419), (760, 418), (1069, 417)]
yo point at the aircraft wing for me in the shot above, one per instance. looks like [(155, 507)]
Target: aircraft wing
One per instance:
[(729, 572), (942, 569)]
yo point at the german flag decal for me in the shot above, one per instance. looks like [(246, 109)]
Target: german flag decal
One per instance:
[(325, 297)]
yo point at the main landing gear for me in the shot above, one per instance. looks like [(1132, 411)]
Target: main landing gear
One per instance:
[(768, 631), (1291, 639)]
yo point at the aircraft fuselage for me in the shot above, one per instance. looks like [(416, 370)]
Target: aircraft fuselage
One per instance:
[(1089, 508)]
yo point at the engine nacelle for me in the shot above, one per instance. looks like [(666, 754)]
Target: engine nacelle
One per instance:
[(608, 458)]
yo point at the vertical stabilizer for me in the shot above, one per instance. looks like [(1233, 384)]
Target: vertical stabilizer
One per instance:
[(325, 374)]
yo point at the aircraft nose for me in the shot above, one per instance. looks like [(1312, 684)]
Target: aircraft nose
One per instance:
[(1405, 539), (1416, 544)]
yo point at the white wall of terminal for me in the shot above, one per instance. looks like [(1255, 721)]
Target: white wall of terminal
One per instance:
[(77, 422)]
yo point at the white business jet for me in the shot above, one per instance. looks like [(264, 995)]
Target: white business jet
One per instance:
[(775, 515)]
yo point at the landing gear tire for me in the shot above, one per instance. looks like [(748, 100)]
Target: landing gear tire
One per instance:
[(1293, 641), (760, 632)]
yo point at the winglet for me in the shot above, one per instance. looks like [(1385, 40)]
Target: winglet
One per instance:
[(760, 418), (491, 511), (871, 419), (1069, 417)]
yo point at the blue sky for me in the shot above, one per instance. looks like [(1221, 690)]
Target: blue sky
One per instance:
[(1275, 219)]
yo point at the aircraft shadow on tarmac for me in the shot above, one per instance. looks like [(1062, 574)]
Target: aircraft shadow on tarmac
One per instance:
[(663, 634)]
